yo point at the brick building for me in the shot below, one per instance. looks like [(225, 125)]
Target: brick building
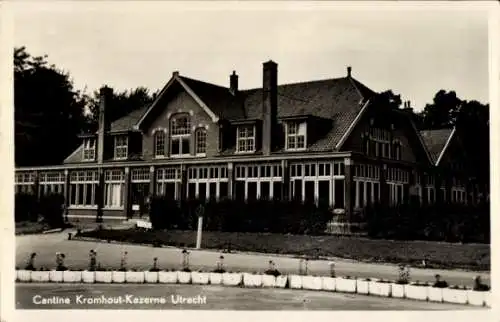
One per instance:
[(328, 141)]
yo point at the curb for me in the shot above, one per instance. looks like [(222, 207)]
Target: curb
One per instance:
[(372, 287)]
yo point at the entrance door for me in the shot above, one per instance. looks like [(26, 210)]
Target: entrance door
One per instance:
[(140, 192)]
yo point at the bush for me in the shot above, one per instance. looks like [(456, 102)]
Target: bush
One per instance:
[(236, 216), (444, 222), (51, 208), (25, 207)]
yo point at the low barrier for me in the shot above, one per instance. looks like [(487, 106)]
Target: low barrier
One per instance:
[(373, 287)]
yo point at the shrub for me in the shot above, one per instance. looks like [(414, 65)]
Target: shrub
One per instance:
[(25, 207), (237, 216), (441, 222), (51, 208)]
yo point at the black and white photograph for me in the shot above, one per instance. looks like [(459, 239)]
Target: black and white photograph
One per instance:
[(251, 156)]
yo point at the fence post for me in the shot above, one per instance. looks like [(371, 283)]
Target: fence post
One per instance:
[(199, 211)]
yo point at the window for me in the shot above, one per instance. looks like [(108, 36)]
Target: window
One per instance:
[(121, 147), (51, 182), (114, 184), (159, 143), (180, 126), (396, 150), (83, 185), (89, 149), (201, 141), (296, 136), (246, 139)]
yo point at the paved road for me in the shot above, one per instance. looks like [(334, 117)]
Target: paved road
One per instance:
[(141, 257), (29, 296)]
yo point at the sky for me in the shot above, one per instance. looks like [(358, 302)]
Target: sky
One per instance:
[(414, 52)]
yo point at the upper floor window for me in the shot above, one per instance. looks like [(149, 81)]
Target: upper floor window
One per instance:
[(245, 139), (180, 129), (159, 138), (378, 143), (121, 147), (89, 149), (201, 141), (296, 135), (396, 150)]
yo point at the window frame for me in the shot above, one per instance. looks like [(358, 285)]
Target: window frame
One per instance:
[(87, 148), (198, 131), (160, 133), (245, 139), (180, 137), (123, 147), (295, 135)]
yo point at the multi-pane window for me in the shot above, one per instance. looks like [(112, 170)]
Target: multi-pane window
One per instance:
[(89, 149), (207, 182), (296, 135), (180, 128), (121, 147), (140, 175), (168, 181), (246, 139), (24, 182), (114, 184), (201, 141), (83, 185), (51, 182), (159, 138)]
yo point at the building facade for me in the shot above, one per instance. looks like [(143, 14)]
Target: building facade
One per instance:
[(326, 141)]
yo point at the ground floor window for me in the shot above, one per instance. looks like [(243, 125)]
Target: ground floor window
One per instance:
[(339, 193), (167, 189), (458, 195), (365, 192), (24, 188), (395, 192), (113, 195), (430, 195), (83, 188)]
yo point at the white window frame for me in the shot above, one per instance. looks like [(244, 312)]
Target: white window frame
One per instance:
[(300, 131), (243, 136), (113, 178), (214, 174), (89, 149), (161, 133), (168, 175), (78, 178), (120, 148), (51, 182), (200, 131), (263, 172), (176, 135)]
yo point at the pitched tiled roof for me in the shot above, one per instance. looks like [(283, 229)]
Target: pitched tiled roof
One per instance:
[(218, 98), (339, 100), (435, 141), (128, 121)]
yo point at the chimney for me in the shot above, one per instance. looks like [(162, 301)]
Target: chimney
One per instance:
[(269, 105), (105, 94), (349, 70), (233, 83)]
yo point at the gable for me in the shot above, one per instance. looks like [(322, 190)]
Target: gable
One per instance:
[(397, 123), (435, 142)]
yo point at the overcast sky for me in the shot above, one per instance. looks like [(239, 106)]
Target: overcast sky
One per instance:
[(413, 52)]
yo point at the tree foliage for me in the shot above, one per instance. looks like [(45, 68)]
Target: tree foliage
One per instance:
[(48, 112), (120, 104)]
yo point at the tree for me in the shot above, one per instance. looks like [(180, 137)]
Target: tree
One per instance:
[(48, 112), (120, 104), (442, 113)]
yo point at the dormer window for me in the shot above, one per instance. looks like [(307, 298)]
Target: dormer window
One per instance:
[(159, 138), (89, 149), (245, 139), (180, 127), (296, 135), (121, 147)]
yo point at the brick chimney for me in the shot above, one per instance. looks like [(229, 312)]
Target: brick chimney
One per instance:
[(233, 83), (269, 105), (104, 123), (349, 71)]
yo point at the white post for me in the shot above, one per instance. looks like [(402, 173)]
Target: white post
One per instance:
[(198, 236)]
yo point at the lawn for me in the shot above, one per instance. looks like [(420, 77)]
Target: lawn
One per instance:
[(29, 227), (437, 254)]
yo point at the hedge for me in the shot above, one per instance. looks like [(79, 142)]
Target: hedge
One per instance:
[(48, 207), (227, 215), (441, 222)]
